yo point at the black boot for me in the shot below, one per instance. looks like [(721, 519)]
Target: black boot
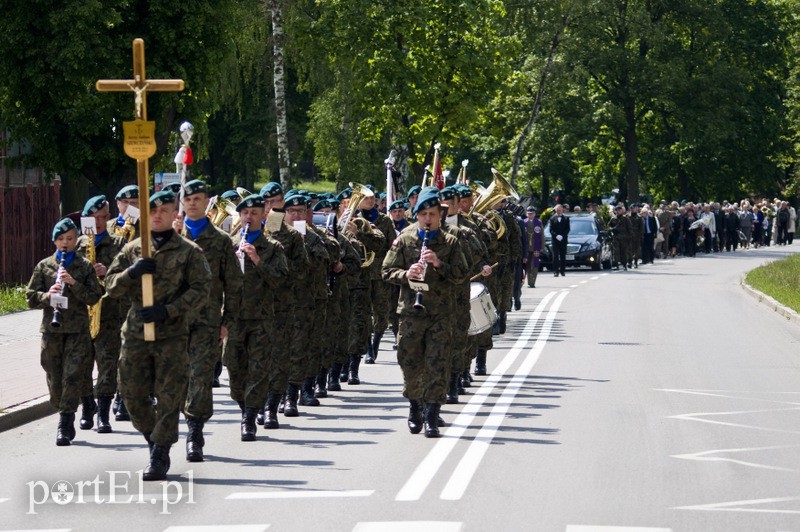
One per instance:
[(343, 371), (460, 383), (241, 406), (376, 345), (370, 358), (261, 416), (480, 362), (290, 405), (333, 378), (502, 322), (88, 412), (115, 404), (452, 391), (273, 399), (466, 381), (321, 388), (194, 440), (149, 442), (159, 463), (352, 375), (394, 331), (103, 406), (122, 412), (65, 432), (217, 372), (431, 420), (414, 416), (282, 403), (249, 424), (307, 393)]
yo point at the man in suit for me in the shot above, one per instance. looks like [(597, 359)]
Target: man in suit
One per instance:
[(559, 230), (649, 230)]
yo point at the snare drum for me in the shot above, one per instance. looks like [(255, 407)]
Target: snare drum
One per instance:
[(482, 313)]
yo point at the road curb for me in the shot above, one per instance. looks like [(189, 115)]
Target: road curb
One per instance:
[(769, 302), (25, 413)]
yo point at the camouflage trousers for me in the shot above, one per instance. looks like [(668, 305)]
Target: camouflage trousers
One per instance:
[(460, 328), (280, 365), (394, 296), (105, 353), (505, 288), (246, 356), (379, 294), (424, 356), (339, 330), (634, 249), (306, 343), (360, 321), (317, 339), (621, 254), (64, 358), (160, 368), (333, 317), (203, 348)]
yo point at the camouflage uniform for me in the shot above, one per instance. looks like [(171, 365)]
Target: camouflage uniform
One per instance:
[(484, 341), (360, 305), (511, 252), (621, 229), (181, 283), (114, 228), (636, 235), (203, 343), (67, 350), (379, 289), (424, 335), (107, 342)]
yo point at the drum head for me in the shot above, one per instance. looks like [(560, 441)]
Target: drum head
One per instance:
[(476, 289)]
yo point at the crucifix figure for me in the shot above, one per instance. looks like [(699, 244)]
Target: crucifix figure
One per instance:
[(140, 86)]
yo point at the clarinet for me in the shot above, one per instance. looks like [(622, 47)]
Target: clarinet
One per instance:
[(56, 321), (425, 238), (239, 252)]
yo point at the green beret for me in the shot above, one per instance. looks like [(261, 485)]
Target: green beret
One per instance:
[(62, 227), (335, 203), (271, 189), (382, 195), (447, 193), (345, 194), (372, 188), (463, 191), (93, 205), (413, 190), (195, 187), (295, 200), (230, 195), (175, 188), (129, 192), (162, 198), (322, 204), (253, 200), (399, 204), (313, 195), (428, 198), (291, 191)]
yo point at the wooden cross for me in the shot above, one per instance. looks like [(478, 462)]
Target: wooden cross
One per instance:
[(140, 86)]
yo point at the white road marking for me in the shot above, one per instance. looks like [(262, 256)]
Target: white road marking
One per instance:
[(603, 274), (298, 494), (708, 456), (700, 416), (429, 466), (4, 500), (218, 528), (466, 468), (589, 528), (573, 286), (583, 282), (735, 506), (596, 277), (39, 530), (727, 394), (408, 526)]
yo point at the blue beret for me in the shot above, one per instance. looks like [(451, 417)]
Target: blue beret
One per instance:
[(345, 194), (322, 204), (128, 192), (271, 189), (195, 187), (399, 204), (447, 193), (427, 198), (62, 227), (230, 195), (93, 205), (162, 198), (382, 195), (295, 200), (253, 200), (413, 190)]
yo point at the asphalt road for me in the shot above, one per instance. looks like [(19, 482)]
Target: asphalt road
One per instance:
[(664, 398)]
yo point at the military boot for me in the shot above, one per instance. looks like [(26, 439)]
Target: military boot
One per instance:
[(431, 420), (460, 383), (159, 463), (343, 371), (122, 412), (282, 404), (290, 405), (87, 412), (115, 404), (261, 416), (376, 344), (394, 331), (272, 411), (248, 428), (370, 357), (149, 442), (452, 390), (321, 388), (307, 393), (502, 321), (217, 372), (466, 381), (241, 406), (103, 406), (480, 362), (65, 432), (414, 416), (194, 440), (333, 378), (352, 375)]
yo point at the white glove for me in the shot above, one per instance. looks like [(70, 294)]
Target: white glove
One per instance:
[(559, 238)]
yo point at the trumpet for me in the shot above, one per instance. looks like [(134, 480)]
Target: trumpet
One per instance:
[(56, 321), (425, 239)]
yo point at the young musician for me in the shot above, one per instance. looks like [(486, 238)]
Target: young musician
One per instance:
[(66, 345)]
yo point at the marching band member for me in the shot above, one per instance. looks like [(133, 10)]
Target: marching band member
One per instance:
[(127, 196)]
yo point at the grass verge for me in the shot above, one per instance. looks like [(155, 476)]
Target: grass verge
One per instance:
[(12, 299), (780, 280), (319, 187)]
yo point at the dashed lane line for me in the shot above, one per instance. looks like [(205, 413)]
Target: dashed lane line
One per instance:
[(218, 528), (408, 526), (310, 494)]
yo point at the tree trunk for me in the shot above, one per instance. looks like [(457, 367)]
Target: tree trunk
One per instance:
[(537, 104), (279, 83), (631, 151)]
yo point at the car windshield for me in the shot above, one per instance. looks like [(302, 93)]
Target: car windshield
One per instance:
[(579, 227)]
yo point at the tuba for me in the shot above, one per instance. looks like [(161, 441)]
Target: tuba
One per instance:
[(359, 193), (498, 190), (224, 209)]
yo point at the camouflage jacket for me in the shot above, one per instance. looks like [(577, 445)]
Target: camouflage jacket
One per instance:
[(514, 236), (85, 291), (406, 250), (637, 227), (226, 277), (367, 242), (181, 283), (385, 227), (105, 252), (319, 256), (298, 263), (620, 226), (262, 281), (117, 230)]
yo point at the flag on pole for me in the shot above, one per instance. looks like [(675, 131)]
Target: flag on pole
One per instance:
[(438, 176), (390, 192)]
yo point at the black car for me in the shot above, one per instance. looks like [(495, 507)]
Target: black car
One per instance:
[(587, 245)]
